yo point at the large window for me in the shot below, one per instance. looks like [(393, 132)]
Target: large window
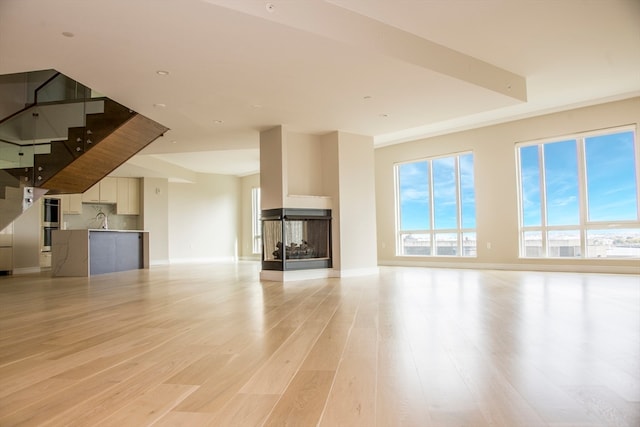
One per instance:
[(436, 210), (579, 196), (255, 220)]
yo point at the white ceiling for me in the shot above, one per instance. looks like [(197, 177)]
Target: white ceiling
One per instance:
[(394, 69)]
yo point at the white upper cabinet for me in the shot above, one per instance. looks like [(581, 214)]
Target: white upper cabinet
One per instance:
[(106, 191), (128, 202)]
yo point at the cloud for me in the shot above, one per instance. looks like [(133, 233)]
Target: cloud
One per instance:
[(562, 201), (413, 194)]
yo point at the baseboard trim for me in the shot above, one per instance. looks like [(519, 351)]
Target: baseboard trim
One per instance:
[(26, 270), (566, 268), (355, 272), (294, 275), (207, 260)]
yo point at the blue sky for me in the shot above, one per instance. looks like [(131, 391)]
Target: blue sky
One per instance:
[(610, 177), (415, 194), (561, 183)]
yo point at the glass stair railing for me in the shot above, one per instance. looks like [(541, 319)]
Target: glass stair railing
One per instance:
[(63, 121)]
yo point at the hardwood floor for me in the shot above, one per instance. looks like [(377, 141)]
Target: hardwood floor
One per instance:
[(199, 345)]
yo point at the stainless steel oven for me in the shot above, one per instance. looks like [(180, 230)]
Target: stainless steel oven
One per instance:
[(51, 211), (46, 237)]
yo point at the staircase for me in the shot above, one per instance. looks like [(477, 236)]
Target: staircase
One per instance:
[(15, 198), (65, 146)]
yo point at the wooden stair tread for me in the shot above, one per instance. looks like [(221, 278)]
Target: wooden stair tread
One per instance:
[(104, 157)]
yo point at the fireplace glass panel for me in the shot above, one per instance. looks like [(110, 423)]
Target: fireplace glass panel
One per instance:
[(271, 240), (296, 239), (306, 239)]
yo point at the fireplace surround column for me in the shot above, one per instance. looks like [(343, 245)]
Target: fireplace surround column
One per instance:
[(334, 173)]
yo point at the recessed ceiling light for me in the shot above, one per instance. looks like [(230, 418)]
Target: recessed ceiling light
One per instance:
[(160, 105), (384, 115), (270, 7), (68, 34), (218, 122), (174, 142), (162, 73)]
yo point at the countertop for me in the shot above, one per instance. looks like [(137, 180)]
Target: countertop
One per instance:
[(118, 231)]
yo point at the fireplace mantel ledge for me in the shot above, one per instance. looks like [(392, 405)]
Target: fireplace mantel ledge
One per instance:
[(308, 201)]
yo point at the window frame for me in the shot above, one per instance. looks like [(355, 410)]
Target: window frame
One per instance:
[(256, 221), (585, 225), (433, 233)]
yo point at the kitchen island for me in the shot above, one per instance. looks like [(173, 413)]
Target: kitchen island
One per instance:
[(88, 252)]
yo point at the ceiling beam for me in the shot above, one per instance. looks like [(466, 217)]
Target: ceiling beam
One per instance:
[(334, 22)]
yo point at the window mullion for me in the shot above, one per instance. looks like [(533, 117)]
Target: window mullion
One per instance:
[(520, 189), (432, 233), (399, 247), (636, 147), (543, 201), (456, 169), (257, 245), (583, 194)]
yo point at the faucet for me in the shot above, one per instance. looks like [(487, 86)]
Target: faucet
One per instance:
[(101, 216)]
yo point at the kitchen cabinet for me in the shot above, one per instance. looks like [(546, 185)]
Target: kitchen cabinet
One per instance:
[(109, 190), (87, 252), (6, 258), (6, 248), (92, 195), (128, 201), (45, 259), (106, 191), (72, 204)]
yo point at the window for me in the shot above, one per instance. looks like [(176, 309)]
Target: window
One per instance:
[(436, 211), (579, 196), (255, 220)]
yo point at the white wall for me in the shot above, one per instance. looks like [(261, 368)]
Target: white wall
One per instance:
[(357, 204), (26, 240), (204, 219), (14, 94), (331, 184), (304, 166), (18, 90), (273, 163), (348, 161), (496, 188), (154, 213)]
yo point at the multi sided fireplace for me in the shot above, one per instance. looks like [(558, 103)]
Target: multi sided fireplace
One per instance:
[(296, 239)]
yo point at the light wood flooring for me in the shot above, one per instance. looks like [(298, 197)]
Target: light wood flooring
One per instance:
[(199, 345)]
